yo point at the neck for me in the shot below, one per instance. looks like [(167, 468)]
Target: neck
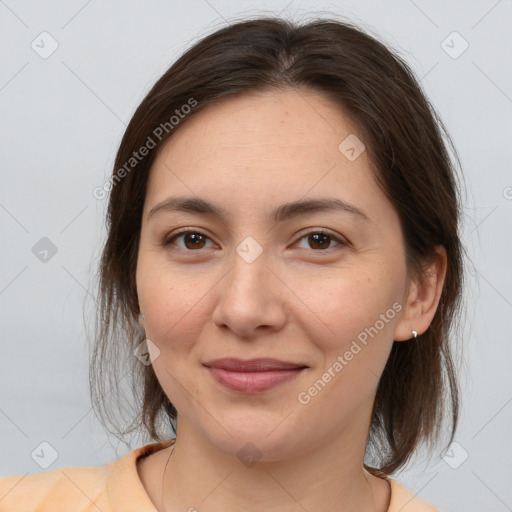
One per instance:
[(328, 476)]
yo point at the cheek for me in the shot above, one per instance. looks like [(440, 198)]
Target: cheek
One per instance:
[(346, 307), (171, 303), (355, 336), (174, 310)]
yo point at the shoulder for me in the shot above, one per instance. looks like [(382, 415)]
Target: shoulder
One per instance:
[(404, 500), (112, 487), (82, 488)]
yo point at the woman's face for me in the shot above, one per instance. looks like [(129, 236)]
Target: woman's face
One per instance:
[(252, 284)]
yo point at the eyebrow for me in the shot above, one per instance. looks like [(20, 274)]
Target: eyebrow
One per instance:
[(284, 212)]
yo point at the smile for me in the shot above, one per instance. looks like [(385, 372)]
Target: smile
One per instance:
[(253, 381)]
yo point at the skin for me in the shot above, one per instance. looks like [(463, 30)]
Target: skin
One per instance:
[(299, 301)]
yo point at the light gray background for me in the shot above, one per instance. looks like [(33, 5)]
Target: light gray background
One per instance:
[(61, 122)]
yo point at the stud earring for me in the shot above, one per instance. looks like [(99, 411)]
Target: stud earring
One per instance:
[(415, 334)]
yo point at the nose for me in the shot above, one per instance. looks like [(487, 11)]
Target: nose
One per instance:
[(250, 299)]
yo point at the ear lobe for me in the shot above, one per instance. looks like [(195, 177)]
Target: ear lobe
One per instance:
[(423, 299)]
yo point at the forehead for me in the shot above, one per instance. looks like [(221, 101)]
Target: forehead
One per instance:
[(262, 149), (259, 121)]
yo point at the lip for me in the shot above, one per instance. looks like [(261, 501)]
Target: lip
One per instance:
[(254, 375), (260, 364)]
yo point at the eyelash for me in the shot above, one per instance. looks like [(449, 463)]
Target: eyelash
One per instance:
[(168, 240)]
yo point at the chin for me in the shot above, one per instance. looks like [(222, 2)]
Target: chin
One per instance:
[(257, 440)]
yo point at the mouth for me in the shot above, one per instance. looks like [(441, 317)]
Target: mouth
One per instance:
[(254, 375)]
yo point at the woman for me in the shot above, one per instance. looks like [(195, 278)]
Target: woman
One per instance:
[(283, 259)]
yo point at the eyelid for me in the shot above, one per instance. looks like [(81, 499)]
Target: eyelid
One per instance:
[(324, 231), (341, 240), (168, 239)]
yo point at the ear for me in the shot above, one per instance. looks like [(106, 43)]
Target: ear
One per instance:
[(141, 320), (422, 299)]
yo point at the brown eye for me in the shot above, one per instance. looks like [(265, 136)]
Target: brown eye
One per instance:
[(192, 240), (321, 241)]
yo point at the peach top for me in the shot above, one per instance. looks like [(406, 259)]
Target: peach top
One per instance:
[(116, 487)]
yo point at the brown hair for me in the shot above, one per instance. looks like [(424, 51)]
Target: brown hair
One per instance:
[(409, 151)]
